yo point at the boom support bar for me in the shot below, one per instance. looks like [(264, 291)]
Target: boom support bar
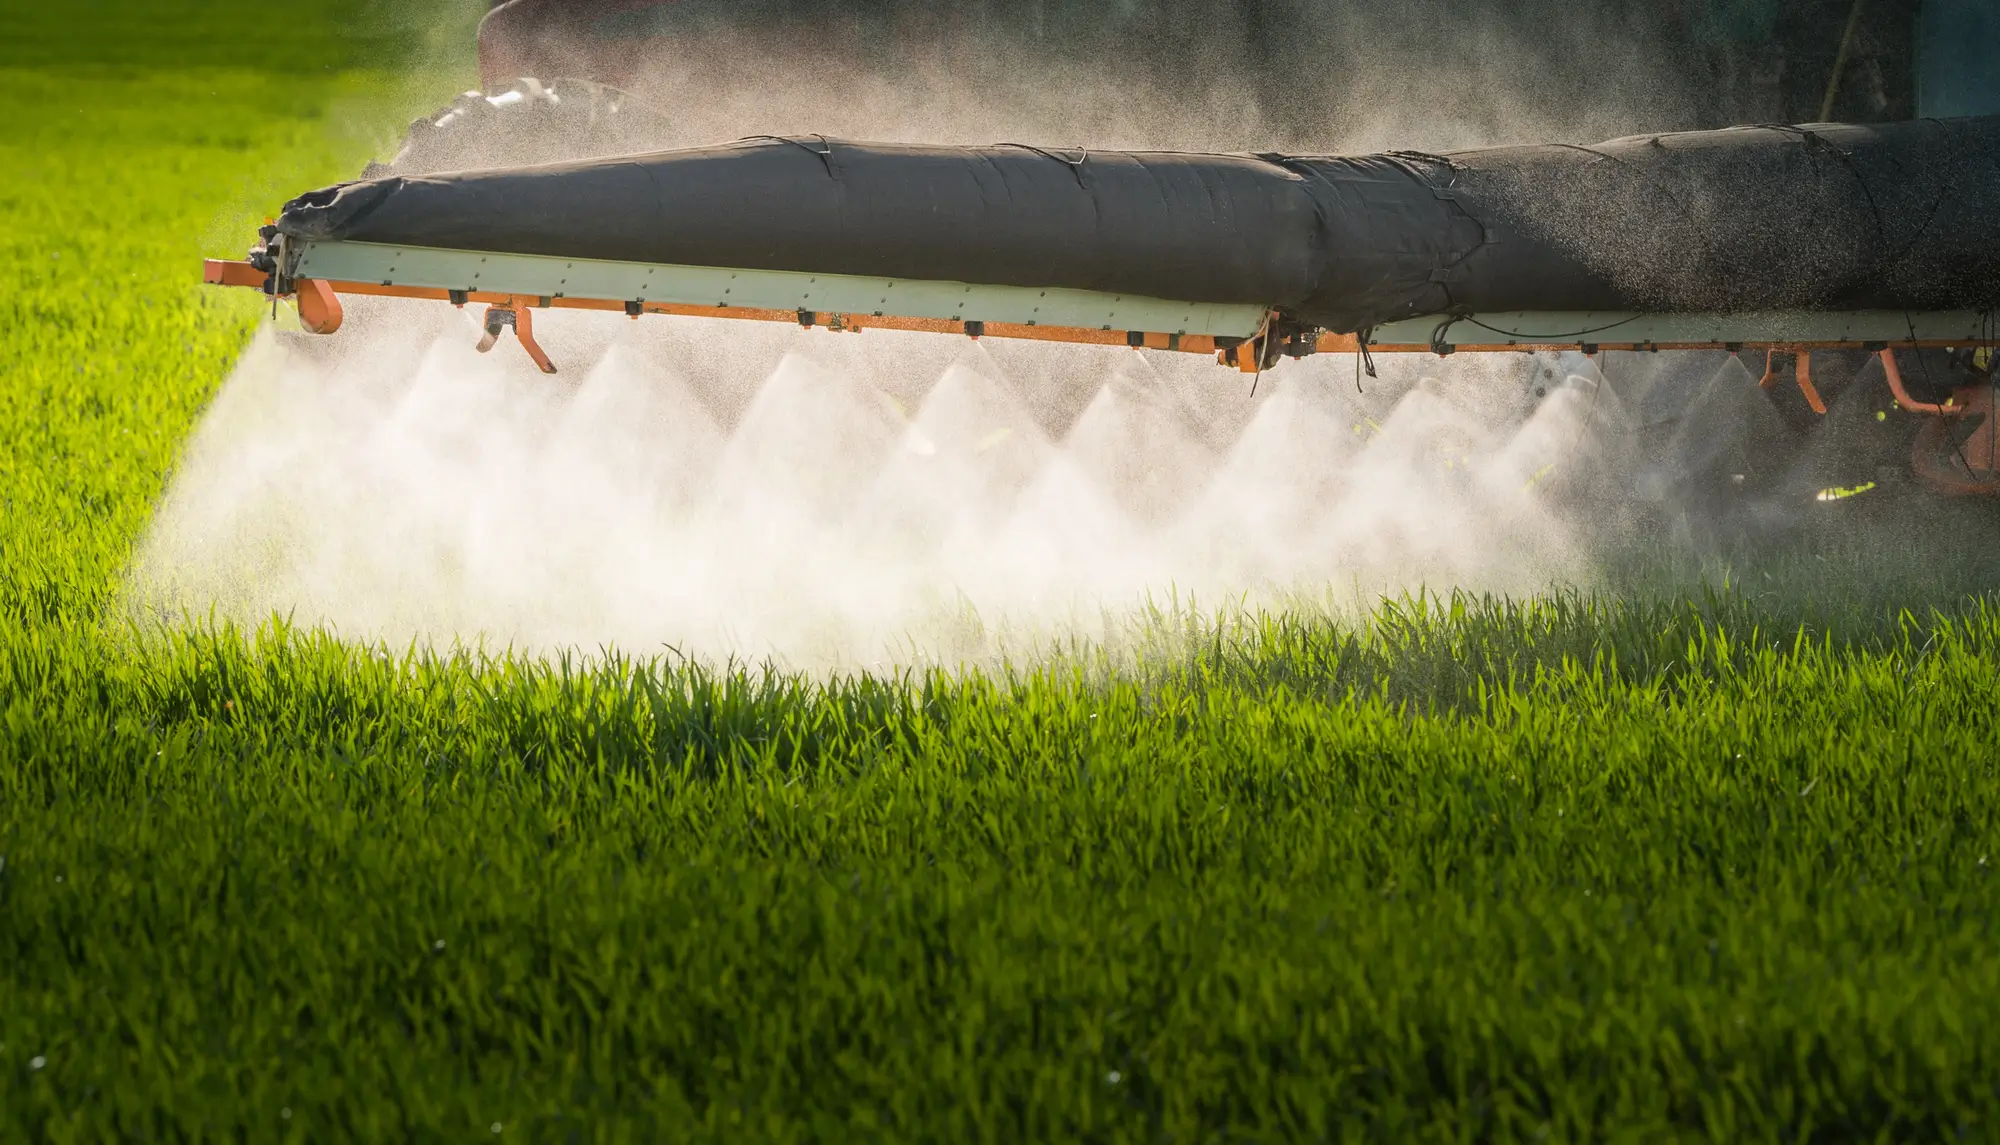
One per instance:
[(1624, 330), (1249, 336)]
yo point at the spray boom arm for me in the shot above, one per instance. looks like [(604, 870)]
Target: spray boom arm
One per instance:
[(1249, 337)]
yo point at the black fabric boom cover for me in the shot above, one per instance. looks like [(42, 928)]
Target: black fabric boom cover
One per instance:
[(1902, 216)]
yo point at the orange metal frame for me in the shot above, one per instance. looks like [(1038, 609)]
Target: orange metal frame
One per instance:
[(319, 297)]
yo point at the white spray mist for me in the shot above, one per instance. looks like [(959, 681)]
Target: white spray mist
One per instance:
[(841, 500)]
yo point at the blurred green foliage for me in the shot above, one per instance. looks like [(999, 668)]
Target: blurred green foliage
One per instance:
[(186, 34)]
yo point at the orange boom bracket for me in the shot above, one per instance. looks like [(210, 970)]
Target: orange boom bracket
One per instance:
[(521, 319), (319, 306), (1957, 449), (1801, 374)]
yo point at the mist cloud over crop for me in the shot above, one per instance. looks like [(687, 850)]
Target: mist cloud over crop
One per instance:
[(731, 488)]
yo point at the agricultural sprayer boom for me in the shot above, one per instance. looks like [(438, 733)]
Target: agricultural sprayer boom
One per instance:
[(1779, 240)]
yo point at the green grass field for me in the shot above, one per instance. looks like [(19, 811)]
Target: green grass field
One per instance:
[(1703, 863)]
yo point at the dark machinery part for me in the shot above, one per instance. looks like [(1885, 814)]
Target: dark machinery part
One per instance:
[(1825, 217), (529, 123)]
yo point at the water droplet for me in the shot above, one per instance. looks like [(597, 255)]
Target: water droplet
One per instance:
[(1114, 1077), (37, 1062)]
